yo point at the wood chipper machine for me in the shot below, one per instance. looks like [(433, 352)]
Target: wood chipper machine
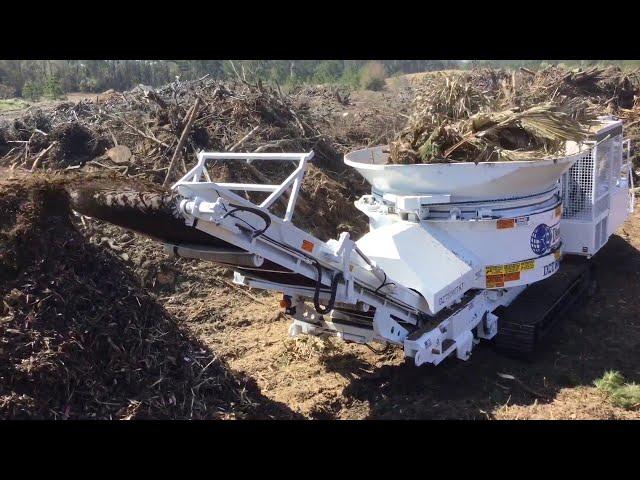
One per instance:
[(456, 252)]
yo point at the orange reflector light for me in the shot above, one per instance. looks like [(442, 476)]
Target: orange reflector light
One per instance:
[(285, 302), (505, 223)]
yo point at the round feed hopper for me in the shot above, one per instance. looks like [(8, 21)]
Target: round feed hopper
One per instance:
[(463, 181)]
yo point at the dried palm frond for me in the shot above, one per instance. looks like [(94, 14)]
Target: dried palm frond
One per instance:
[(486, 115), (536, 132), (542, 122)]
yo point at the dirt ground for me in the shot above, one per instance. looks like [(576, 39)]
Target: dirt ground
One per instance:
[(308, 377), (330, 379)]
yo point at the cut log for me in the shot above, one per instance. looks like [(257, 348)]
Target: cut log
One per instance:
[(119, 154)]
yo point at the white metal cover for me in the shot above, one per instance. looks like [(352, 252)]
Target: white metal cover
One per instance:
[(463, 181), (409, 253)]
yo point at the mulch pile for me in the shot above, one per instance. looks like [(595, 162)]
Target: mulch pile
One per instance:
[(79, 336)]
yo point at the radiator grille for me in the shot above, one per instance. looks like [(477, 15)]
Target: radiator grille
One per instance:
[(587, 185), (578, 189)]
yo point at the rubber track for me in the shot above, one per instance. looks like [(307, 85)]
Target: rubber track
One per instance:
[(529, 319)]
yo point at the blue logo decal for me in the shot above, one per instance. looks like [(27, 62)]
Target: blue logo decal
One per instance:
[(541, 239)]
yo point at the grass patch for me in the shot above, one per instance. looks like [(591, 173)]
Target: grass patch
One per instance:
[(13, 104), (621, 394)]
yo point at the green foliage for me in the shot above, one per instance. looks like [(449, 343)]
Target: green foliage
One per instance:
[(279, 72), (52, 88), (351, 77), (12, 104), (328, 71), (32, 90), (621, 394), (372, 76), (88, 85), (101, 75), (6, 91)]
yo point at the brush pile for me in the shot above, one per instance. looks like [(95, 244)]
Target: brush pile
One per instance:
[(495, 115), (149, 122), (136, 133), (79, 336)]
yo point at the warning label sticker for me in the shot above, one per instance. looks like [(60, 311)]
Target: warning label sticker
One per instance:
[(509, 277), (509, 268), (498, 280), (307, 245), (495, 278), (505, 223), (513, 222)]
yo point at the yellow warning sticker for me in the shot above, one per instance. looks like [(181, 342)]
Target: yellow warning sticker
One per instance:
[(528, 265), (494, 270), (510, 268)]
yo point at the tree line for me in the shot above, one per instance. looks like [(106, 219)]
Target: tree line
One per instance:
[(32, 79)]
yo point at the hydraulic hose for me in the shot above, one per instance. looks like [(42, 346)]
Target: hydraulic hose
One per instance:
[(316, 296), (334, 287), (255, 211)]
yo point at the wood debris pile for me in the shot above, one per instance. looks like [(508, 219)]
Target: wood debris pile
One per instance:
[(154, 135), (496, 115)]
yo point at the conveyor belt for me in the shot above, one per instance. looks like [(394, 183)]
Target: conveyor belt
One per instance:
[(532, 315)]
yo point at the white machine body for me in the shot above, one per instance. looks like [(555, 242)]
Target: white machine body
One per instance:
[(448, 243)]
